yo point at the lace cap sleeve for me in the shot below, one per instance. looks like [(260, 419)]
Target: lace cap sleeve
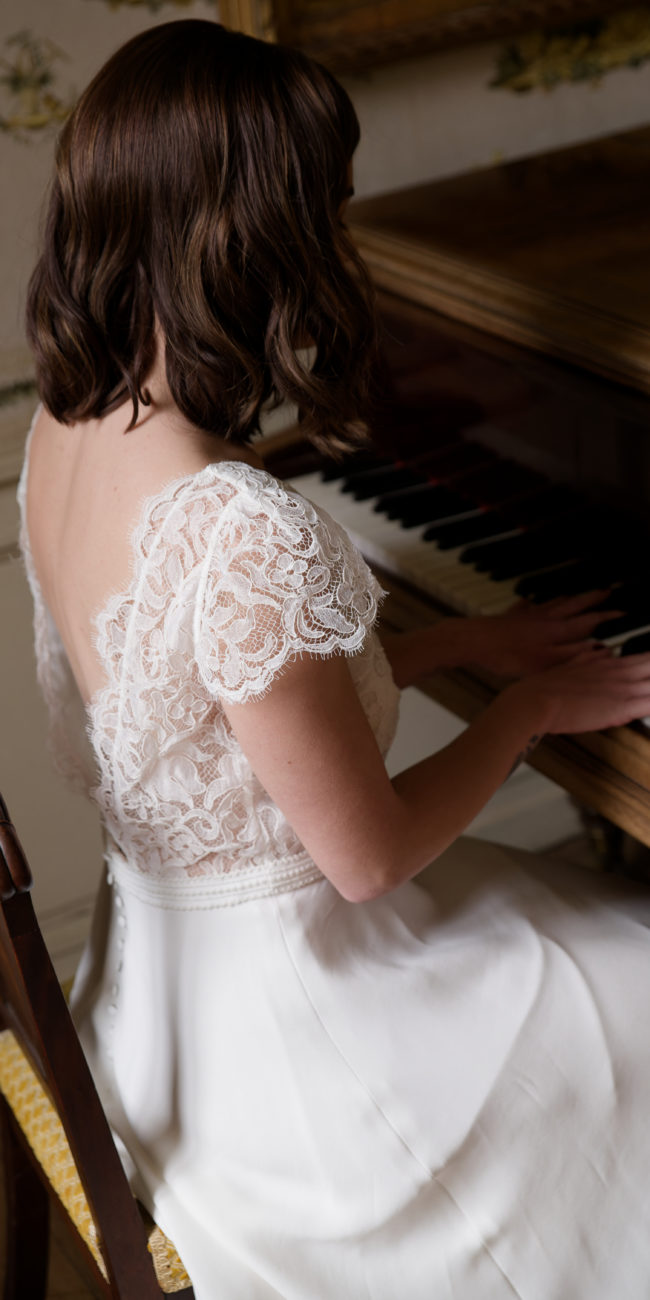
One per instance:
[(280, 580)]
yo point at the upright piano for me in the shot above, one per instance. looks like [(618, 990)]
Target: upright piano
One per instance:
[(515, 304)]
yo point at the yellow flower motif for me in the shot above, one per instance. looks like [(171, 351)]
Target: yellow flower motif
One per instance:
[(27, 77)]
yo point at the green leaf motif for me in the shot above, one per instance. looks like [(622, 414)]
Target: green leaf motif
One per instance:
[(581, 52)]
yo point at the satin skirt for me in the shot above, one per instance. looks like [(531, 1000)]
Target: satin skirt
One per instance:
[(442, 1094)]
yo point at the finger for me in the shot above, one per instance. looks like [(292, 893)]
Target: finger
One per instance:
[(612, 676), (605, 668), (591, 654), (569, 605), (641, 709), (574, 649), (636, 659), (631, 711), (641, 705), (584, 624), (521, 606), (639, 666), (568, 651), (601, 615)]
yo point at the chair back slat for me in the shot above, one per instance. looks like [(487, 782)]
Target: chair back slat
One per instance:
[(32, 1005), (15, 875)]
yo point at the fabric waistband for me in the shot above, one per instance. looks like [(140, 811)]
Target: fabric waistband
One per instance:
[(188, 893)]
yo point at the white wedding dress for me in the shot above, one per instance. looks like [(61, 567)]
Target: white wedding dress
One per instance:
[(443, 1094)]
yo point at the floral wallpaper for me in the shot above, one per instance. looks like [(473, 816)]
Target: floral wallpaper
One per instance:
[(583, 52), (28, 76), (437, 115)]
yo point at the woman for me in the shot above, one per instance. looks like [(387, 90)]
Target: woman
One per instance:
[(342, 1058)]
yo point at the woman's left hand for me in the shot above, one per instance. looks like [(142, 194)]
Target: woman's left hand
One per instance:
[(529, 638)]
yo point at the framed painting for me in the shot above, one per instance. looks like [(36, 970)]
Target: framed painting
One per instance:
[(351, 34)]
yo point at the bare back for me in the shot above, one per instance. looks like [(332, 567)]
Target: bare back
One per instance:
[(85, 492)]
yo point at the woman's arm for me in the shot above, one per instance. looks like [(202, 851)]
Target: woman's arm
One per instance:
[(310, 744), (526, 638), (414, 655)]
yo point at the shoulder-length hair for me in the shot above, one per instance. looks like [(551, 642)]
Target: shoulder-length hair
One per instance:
[(197, 191)]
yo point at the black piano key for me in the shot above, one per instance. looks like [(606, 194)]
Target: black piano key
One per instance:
[(357, 462), (479, 526), (620, 626), (532, 553), (568, 580), (450, 511), (430, 469), (637, 645), (633, 598), (554, 553), (548, 545), (398, 503), (376, 482), (628, 595), (421, 506), (366, 461), (513, 516), (528, 559), (586, 534), (490, 485), (439, 526), (482, 525)]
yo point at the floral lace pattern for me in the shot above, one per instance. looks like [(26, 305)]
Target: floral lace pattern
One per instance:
[(234, 576), (279, 580)]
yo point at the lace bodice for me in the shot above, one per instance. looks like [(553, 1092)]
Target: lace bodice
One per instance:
[(233, 577)]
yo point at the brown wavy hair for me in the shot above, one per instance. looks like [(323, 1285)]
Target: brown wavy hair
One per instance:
[(198, 184)]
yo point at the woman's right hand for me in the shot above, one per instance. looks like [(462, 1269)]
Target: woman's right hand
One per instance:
[(593, 691)]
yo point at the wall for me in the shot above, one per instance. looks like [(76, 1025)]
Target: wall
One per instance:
[(420, 119), (83, 33), (438, 116)]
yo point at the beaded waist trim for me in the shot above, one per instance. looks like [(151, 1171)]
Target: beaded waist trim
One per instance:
[(226, 890)]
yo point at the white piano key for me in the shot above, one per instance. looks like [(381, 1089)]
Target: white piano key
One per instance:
[(617, 641), (404, 552), (497, 602), (382, 541)]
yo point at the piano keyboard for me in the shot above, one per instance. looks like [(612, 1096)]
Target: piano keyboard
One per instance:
[(477, 532), (405, 553)]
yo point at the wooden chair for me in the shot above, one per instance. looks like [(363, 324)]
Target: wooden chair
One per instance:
[(57, 1146)]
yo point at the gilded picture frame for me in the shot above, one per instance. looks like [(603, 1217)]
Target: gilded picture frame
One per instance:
[(354, 34)]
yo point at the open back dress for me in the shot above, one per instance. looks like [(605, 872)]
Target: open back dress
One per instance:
[(442, 1094)]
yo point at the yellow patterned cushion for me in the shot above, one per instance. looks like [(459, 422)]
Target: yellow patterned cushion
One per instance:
[(43, 1130)]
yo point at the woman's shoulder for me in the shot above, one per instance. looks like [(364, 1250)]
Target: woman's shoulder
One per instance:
[(235, 502), (243, 486), (280, 579)]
